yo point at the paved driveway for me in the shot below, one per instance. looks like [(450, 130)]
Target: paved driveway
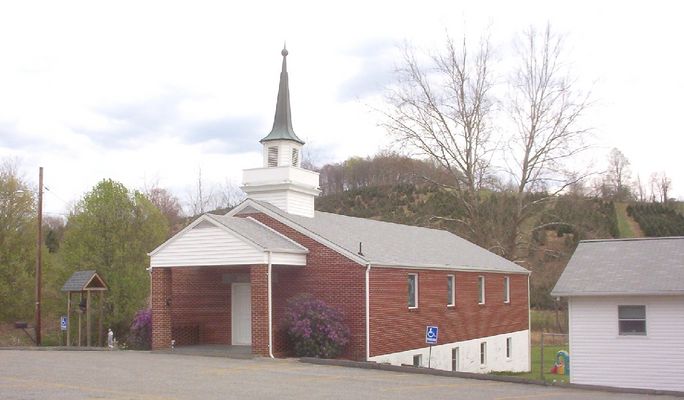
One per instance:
[(146, 376)]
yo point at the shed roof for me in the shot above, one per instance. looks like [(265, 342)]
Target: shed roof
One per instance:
[(390, 244), (84, 280), (624, 266)]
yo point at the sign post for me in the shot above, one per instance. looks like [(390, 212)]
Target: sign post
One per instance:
[(431, 335), (63, 325)]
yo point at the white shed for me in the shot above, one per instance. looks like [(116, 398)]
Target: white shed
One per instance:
[(626, 312)]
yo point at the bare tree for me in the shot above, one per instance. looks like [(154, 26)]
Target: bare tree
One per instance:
[(168, 205), (230, 195), (546, 108), (660, 186), (618, 175), (444, 111), (201, 199), (640, 189)]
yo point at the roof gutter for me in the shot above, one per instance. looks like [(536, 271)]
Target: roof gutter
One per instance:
[(644, 293)]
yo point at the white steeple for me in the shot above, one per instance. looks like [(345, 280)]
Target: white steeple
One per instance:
[(281, 181)]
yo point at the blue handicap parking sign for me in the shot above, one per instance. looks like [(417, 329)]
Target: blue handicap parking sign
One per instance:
[(63, 322), (431, 334)]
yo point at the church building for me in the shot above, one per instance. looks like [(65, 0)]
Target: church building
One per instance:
[(226, 279)]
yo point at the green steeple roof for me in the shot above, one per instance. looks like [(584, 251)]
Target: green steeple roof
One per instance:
[(282, 123)]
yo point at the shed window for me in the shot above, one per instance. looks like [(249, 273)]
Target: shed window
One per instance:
[(632, 320), (507, 290), (273, 156), (451, 290), (295, 157), (481, 289), (412, 290)]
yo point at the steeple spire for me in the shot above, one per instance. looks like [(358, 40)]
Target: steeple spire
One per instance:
[(282, 122)]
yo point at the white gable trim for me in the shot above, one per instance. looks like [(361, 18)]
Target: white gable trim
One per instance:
[(250, 203), (203, 217)]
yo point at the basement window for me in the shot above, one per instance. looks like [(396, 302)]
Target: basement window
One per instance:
[(417, 360), (483, 353), (632, 320), (273, 156), (412, 291), (455, 359), (509, 347)]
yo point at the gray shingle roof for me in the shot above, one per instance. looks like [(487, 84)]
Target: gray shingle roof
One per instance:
[(259, 234), (386, 243), (624, 266), (78, 281)]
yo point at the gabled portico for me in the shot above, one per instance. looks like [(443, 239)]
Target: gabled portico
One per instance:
[(212, 282)]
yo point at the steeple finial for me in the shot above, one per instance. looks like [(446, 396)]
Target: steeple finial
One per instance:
[(282, 122)]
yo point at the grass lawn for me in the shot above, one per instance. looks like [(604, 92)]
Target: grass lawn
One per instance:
[(549, 358), (623, 226)]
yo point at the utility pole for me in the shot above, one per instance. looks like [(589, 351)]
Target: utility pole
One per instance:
[(39, 259)]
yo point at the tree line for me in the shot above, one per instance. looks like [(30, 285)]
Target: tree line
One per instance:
[(110, 229)]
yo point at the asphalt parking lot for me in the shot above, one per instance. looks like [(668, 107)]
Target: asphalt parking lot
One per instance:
[(147, 376)]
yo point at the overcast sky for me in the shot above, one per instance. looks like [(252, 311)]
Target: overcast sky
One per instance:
[(148, 92)]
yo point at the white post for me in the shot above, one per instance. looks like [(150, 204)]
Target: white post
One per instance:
[(270, 308)]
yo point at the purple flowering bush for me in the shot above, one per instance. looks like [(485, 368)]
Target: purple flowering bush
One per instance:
[(140, 336), (314, 328)]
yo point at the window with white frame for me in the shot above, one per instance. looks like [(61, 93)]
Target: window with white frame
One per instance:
[(507, 289), (509, 347), (480, 289), (273, 156), (412, 290), (451, 290), (483, 353), (417, 360), (632, 320)]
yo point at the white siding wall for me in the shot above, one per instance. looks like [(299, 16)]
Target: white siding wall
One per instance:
[(300, 204), (206, 245), (288, 259), (600, 356), (469, 350), (277, 198), (288, 200)]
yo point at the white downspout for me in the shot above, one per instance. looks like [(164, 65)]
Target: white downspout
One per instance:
[(368, 267), (270, 308), (529, 327)]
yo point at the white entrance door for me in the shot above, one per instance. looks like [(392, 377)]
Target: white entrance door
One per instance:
[(241, 311)]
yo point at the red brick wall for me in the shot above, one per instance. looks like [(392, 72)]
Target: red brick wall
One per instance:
[(328, 276), (259, 288), (394, 327), (161, 313), (200, 301)]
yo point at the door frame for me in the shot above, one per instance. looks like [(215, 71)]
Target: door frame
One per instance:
[(233, 313)]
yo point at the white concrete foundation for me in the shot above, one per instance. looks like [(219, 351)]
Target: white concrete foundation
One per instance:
[(469, 354)]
